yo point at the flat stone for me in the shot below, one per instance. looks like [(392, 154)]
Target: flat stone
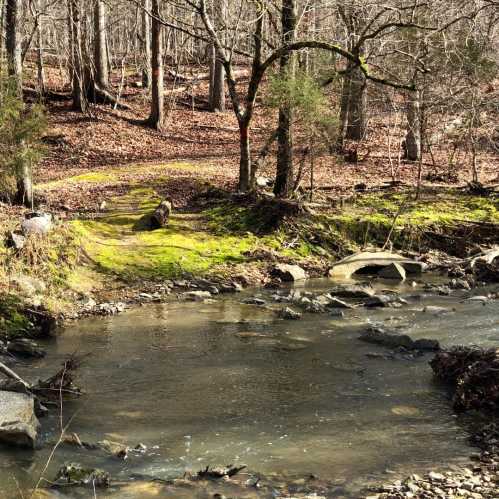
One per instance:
[(382, 301), (354, 292), (426, 344), (358, 261), (18, 422), (393, 271), (289, 273)]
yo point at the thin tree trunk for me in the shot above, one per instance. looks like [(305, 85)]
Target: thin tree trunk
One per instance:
[(13, 43), (156, 116), (245, 157), (39, 60), (146, 44), (413, 136), (77, 73), (100, 49), (24, 194), (283, 186)]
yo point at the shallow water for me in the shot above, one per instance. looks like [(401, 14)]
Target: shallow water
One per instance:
[(204, 384)]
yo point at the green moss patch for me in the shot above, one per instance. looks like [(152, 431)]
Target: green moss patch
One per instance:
[(13, 322), (120, 242)]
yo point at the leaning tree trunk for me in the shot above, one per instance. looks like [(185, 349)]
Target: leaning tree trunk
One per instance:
[(24, 193), (146, 44), (284, 176), (157, 98), (413, 136), (13, 42), (356, 125), (77, 67), (101, 77)]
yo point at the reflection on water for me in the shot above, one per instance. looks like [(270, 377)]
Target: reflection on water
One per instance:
[(205, 384)]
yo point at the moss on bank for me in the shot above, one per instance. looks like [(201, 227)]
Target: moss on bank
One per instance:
[(13, 321)]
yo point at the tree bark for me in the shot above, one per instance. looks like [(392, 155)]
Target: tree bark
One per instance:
[(39, 51), (283, 186), (146, 44), (13, 43), (245, 157), (356, 127), (24, 194), (217, 78), (157, 98), (77, 70), (413, 136), (100, 47)]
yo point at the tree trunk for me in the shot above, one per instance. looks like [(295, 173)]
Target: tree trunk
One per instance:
[(24, 194), (217, 78), (146, 44), (344, 109), (100, 49), (245, 157), (356, 127), (283, 186), (39, 60), (156, 116), (413, 136), (13, 43), (77, 70)]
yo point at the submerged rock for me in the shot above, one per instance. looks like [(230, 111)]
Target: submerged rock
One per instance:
[(25, 347), (354, 292), (18, 422), (77, 475), (254, 301), (392, 339)]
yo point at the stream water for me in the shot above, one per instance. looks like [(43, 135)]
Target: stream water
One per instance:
[(204, 384)]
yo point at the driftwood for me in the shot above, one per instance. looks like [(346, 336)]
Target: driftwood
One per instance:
[(12, 375)]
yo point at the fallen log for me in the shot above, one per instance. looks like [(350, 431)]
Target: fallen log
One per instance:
[(12, 375)]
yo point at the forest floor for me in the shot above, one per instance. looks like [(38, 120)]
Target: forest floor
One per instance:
[(103, 173)]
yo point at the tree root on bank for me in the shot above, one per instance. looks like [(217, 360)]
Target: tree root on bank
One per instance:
[(474, 372)]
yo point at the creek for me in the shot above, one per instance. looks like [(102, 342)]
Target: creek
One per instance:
[(223, 382)]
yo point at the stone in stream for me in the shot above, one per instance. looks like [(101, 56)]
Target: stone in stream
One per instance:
[(254, 301), (353, 292), (289, 313), (289, 273), (75, 474), (196, 295), (434, 310), (393, 271), (393, 339), (18, 422), (382, 301)]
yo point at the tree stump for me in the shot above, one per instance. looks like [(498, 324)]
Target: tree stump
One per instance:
[(161, 214)]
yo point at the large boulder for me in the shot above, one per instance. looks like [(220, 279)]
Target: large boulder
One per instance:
[(392, 339), (18, 423), (37, 223), (348, 266), (289, 273)]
